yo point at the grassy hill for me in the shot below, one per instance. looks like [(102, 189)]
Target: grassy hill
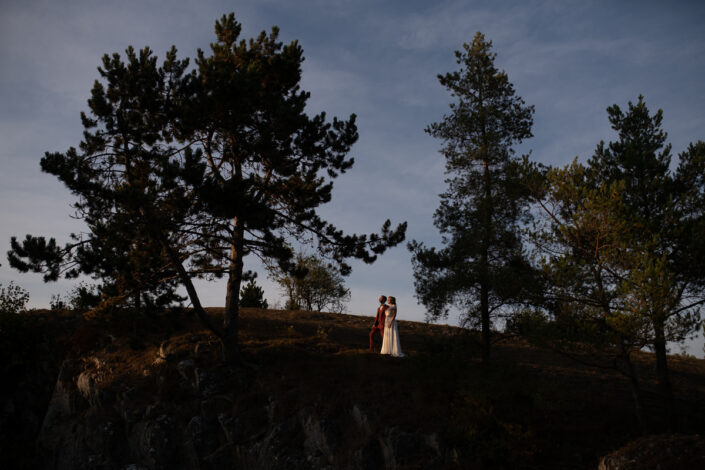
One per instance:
[(439, 407)]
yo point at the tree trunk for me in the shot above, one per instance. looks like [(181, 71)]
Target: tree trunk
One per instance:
[(636, 395), (138, 301), (484, 266), (485, 312), (184, 277), (231, 348), (663, 376)]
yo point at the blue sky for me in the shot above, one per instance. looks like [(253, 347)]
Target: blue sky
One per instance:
[(378, 59)]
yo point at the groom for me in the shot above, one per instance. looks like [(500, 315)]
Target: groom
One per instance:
[(379, 321)]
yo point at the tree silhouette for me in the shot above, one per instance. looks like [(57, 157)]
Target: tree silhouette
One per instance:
[(211, 166), (313, 285), (252, 295), (621, 244), (481, 269)]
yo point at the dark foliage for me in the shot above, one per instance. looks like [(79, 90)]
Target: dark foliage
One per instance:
[(481, 270), (252, 295), (182, 175)]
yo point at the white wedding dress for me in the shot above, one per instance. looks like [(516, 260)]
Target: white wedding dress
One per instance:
[(390, 340)]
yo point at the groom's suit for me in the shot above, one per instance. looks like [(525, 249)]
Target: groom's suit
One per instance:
[(379, 324)]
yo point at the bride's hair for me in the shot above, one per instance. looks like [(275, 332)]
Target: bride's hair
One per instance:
[(392, 300)]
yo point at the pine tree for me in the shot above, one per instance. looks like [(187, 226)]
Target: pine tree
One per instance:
[(252, 295), (664, 220), (578, 239), (622, 245), (206, 168), (125, 140), (481, 269)]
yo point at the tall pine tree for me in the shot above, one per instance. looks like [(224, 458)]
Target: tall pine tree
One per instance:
[(621, 242), (112, 174), (212, 165), (481, 267), (664, 222)]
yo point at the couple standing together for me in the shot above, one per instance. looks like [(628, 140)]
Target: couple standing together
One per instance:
[(386, 324)]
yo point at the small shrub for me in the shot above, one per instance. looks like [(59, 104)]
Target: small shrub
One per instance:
[(252, 295), (291, 331), (81, 298), (84, 296), (322, 334), (57, 303), (13, 298)]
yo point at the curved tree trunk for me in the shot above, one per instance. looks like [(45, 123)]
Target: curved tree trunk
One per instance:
[(636, 394), (663, 376), (484, 263), (231, 347)]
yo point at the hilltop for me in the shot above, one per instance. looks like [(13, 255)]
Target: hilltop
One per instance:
[(149, 391)]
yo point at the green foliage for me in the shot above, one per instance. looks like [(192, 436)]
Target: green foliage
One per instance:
[(81, 298), (252, 295), (57, 303), (291, 332), (313, 285), (322, 334), (113, 175), (481, 270), (13, 299), (616, 243)]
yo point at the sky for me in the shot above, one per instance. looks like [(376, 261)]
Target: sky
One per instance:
[(377, 59)]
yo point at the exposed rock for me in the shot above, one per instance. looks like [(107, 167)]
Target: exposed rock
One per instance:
[(159, 443), (223, 457), (187, 369), (86, 385), (167, 350), (207, 383), (226, 423), (201, 439), (370, 456), (666, 452), (361, 419), (246, 426), (65, 401), (207, 350), (402, 449)]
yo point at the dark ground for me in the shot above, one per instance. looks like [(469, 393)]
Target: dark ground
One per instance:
[(528, 409)]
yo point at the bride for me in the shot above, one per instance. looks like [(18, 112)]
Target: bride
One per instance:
[(390, 340)]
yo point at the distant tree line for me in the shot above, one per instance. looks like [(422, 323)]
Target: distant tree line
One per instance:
[(596, 260), (313, 285)]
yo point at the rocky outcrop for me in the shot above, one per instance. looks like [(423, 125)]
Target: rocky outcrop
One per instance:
[(185, 416), (672, 452)]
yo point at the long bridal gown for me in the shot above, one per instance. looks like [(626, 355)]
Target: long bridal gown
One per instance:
[(390, 340)]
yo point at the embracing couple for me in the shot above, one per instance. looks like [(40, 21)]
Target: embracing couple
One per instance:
[(386, 325)]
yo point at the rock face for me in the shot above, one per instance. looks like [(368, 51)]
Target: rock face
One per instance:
[(667, 452), (213, 418)]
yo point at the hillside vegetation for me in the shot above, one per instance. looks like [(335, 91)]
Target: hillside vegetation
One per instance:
[(152, 391)]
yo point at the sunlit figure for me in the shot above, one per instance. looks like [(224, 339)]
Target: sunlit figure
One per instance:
[(390, 339)]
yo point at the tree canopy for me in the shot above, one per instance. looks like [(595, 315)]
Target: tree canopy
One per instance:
[(200, 168), (314, 285), (617, 241), (481, 268)]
